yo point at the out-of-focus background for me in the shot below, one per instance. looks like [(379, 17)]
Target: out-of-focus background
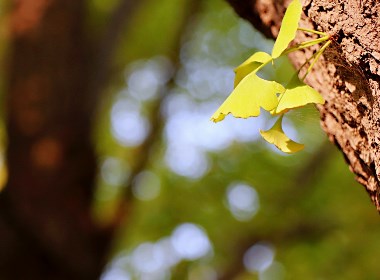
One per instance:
[(214, 201)]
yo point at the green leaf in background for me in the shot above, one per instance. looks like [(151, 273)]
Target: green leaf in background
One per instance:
[(276, 136), (288, 28), (250, 65), (247, 98), (297, 94)]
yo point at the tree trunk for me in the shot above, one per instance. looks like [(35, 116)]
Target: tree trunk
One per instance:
[(46, 229), (347, 76)]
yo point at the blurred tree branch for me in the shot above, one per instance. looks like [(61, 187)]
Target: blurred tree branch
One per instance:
[(146, 150), (55, 79), (106, 46)]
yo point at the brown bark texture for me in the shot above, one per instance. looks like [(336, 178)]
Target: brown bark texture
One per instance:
[(348, 75)]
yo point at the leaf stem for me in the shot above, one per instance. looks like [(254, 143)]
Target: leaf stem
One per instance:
[(316, 57), (307, 61), (306, 44), (312, 31), (262, 65)]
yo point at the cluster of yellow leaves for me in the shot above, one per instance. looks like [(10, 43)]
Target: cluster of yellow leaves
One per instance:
[(252, 92)]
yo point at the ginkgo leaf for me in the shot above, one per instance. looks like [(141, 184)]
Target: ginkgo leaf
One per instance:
[(297, 94), (288, 28), (250, 65), (276, 136), (247, 98)]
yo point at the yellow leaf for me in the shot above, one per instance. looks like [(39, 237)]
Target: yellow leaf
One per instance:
[(288, 28), (276, 136), (297, 94), (250, 65), (247, 98)]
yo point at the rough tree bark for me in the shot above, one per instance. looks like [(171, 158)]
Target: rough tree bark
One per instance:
[(348, 76)]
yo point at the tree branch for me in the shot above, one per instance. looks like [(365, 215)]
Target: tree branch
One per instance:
[(146, 150), (106, 48)]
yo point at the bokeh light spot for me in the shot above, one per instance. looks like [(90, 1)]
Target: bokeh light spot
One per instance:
[(187, 161), (115, 273), (145, 78), (148, 258), (190, 241), (243, 201), (259, 257), (129, 127)]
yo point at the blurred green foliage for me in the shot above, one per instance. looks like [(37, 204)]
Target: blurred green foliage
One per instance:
[(309, 217)]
